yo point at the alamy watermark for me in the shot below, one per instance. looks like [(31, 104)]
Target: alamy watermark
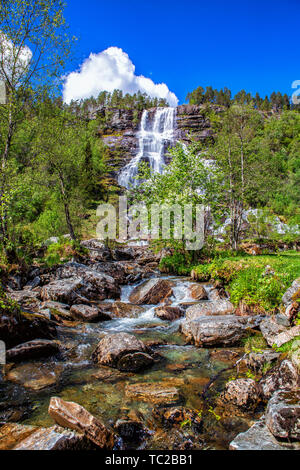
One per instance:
[(154, 222), (295, 95), (2, 353)]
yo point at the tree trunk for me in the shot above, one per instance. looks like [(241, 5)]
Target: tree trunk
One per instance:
[(66, 207)]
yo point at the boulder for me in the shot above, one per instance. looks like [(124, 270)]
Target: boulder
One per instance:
[(26, 298), (122, 351), (131, 430), (175, 416), (67, 290), (270, 329), (283, 414), (198, 292), (35, 376), (73, 416), (156, 393), (95, 285), (169, 313), (57, 309), (286, 336), (32, 350), (115, 270), (242, 393), (285, 376), (54, 438), (124, 254), (215, 307), (292, 293), (151, 292), (124, 310), (256, 361), (97, 250), (258, 437), (88, 314), (20, 328), (206, 331)]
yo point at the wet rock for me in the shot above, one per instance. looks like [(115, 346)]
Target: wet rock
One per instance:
[(283, 377), (169, 313), (17, 329), (205, 331), (32, 350), (283, 415), (54, 438), (210, 308), (175, 417), (198, 292), (35, 376), (292, 293), (124, 310), (95, 285), (26, 298), (131, 430), (75, 417), (256, 361), (258, 437), (122, 351), (151, 292), (67, 290), (174, 439), (88, 314), (242, 393), (270, 329), (156, 393)]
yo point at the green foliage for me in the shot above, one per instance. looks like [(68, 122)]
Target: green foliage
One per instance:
[(254, 343), (63, 252), (7, 305)]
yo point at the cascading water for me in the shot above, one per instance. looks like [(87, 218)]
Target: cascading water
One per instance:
[(153, 137)]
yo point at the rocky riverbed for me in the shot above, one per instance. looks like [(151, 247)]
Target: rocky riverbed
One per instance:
[(108, 353)]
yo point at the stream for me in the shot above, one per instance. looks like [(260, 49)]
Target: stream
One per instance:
[(74, 377)]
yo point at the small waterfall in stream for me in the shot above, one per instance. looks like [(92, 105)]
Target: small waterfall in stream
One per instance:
[(154, 136)]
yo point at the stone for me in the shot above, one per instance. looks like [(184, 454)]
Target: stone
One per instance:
[(131, 430), (285, 376), (242, 393), (115, 270), (32, 350), (54, 438), (286, 336), (67, 290), (206, 331), (258, 437), (174, 417), (95, 285), (256, 361), (12, 434), (97, 250), (198, 292), (270, 329), (26, 298), (169, 313), (35, 376), (210, 308), (292, 293), (17, 329), (283, 414), (151, 292), (57, 309), (75, 417), (125, 310), (88, 314), (156, 393), (122, 351)]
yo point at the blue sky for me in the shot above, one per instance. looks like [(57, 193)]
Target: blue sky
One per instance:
[(238, 44)]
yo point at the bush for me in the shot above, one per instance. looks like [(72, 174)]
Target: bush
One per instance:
[(63, 252)]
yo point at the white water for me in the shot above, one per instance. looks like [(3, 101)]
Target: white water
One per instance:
[(153, 137)]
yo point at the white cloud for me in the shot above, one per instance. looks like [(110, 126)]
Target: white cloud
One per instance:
[(110, 70), (14, 60)]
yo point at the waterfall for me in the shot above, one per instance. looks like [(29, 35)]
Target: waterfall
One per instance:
[(154, 135)]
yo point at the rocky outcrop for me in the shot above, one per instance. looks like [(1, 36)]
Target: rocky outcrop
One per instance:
[(270, 329), (73, 416), (206, 331), (169, 313), (32, 350), (124, 352), (283, 415), (293, 293), (193, 123), (151, 292), (242, 393)]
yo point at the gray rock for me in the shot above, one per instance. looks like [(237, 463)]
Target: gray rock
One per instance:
[(283, 415), (256, 361), (283, 377), (88, 314), (205, 331), (216, 307), (270, 329), (55, 438), (242, 393), (289, 295), (32, 350)]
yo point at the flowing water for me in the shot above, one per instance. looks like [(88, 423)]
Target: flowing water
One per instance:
[(102, 390), (154, 137)]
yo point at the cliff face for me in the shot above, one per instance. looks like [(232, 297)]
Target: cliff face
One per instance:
[(119, 127)]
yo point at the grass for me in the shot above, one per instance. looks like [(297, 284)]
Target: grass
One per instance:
[(256, 281)]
